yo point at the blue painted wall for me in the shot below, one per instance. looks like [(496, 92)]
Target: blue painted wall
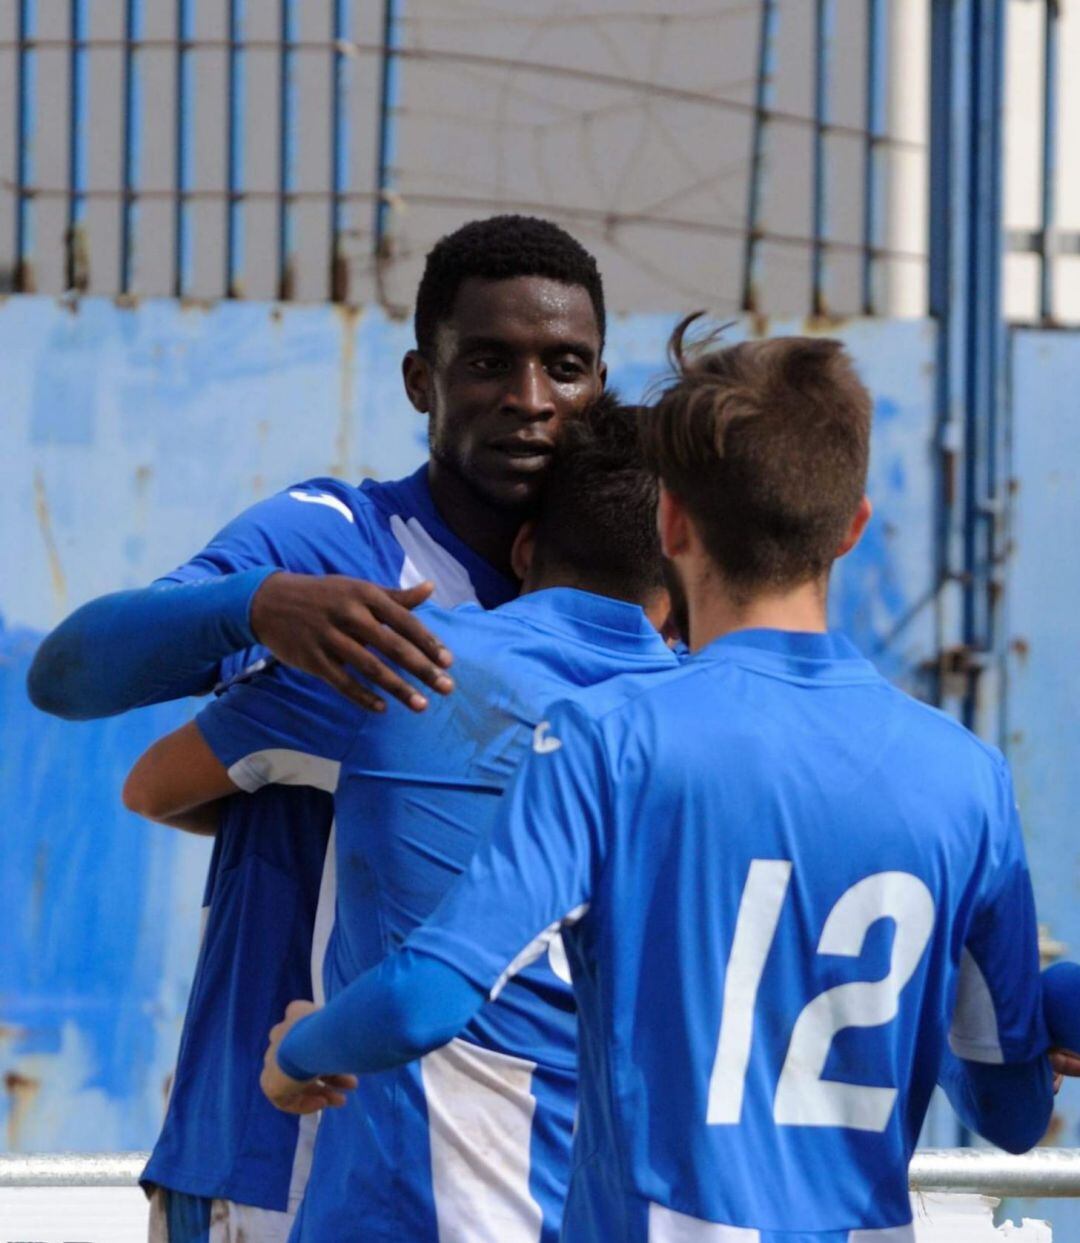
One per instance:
[(127, 437)]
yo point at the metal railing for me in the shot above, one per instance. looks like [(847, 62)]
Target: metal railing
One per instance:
[(1048, 241), (346, 189), (1042, 1173)]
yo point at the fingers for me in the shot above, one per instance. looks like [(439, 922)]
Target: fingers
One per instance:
[(353, 654), (411, 597), (344, 1083), (345, 684), (392, 607)]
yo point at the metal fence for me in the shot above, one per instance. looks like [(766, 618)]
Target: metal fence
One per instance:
[(800, 160)]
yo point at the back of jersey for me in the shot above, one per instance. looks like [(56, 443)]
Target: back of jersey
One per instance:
[(791, 891)]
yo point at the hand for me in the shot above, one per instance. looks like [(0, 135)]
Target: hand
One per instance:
[(326, 624), (1064, 1064), (291, 1095)]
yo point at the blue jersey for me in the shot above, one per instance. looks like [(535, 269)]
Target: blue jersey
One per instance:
[(473, 1141), (779, 880), (266, 923)]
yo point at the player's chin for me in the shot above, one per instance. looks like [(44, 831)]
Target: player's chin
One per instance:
[(514, 484)]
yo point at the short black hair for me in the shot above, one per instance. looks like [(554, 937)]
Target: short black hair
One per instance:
[(498, 249), (597, 511)]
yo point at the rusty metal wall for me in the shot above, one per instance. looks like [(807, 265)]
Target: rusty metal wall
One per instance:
[(127, 436)]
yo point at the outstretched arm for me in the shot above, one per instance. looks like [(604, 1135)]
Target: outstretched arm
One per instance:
[(167, 640), (133, 648), (403, 1008)]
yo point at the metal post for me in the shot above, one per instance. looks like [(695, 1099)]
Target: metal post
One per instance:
[(286, 282), (182, 154), (339, 156), (387, 102), (77, 266), (132, 102), (763, 97), (1047, 236), (25, 130), (967, 77), (823, 36), (875, 132), (234, 219)]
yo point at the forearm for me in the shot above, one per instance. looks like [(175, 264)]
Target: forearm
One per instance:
[(203, 820), (1008, 1105), (134, 648), (398, 1011)]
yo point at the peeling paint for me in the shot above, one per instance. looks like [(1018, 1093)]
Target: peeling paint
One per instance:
[(44, 521)]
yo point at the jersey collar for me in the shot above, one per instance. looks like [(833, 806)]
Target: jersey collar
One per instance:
[(797, 652), (593, 619)]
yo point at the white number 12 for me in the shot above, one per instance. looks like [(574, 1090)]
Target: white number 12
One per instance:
[(803, 1097)]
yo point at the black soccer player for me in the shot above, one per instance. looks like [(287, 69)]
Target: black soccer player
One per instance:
[(509, 336)]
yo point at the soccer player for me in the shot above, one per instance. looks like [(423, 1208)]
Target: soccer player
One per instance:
[(473, 1143), (509, 334), (783, 885)]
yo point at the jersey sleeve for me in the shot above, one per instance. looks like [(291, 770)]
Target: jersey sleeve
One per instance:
[(998, 1015), (305, 529), (281, 727), (534, 874)]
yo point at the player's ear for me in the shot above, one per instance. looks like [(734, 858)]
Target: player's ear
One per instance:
[(521, 555), (673, 524), (858, 526), (416, 372)]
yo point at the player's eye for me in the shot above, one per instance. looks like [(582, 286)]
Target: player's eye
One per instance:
[(566, 369), (487, 365)]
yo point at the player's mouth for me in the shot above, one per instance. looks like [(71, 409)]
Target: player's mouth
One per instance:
[(525, 453)]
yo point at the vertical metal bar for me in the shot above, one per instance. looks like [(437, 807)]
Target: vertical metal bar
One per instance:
[(339, 155), (967, 84), (25, 130), (1048, 240), (182, 151), (823, 32), (77, 274), (986, 499), (387, 103), (763, 97), (286, 282), (132, 102), (234, 220), (875, 132)]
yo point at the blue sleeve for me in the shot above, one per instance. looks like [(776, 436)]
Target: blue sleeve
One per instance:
[(998, 1015), (1061, 1004), (536, 872), (1008, 1105), (403, 1008), (134, 648), (281, 727)]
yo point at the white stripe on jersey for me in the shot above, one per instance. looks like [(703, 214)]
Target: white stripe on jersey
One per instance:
[(545, 941), (668, 1226), (480, 1111), (284, 767), (974, 1032), (425, 559)]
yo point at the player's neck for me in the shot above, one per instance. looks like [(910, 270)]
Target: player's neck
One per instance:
[(715, 611), (488, 530)]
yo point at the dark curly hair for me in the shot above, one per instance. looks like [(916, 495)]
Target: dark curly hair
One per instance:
[(597, 513), (496, 249)]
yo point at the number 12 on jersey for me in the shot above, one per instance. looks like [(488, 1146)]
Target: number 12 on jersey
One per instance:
[(803, 1097)]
